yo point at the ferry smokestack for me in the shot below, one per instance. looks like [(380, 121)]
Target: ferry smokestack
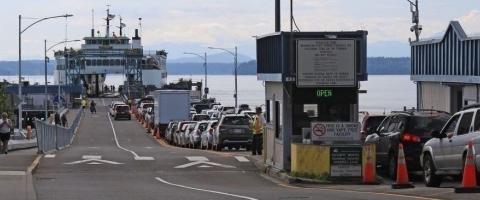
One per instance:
[(93, 32), (136, 33), (277, 16)]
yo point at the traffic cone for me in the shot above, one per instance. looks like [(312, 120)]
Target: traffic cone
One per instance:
[(157, 133), (402, 181), (369, 176), (469, 180)]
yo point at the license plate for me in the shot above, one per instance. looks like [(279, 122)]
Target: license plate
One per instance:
[(237, 131)]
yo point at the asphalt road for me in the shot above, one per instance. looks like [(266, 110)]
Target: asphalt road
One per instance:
[(116, 160)]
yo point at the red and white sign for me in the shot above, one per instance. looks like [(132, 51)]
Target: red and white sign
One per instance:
[(335, 131)]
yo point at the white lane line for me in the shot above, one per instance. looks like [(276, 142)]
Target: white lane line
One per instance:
[(13, 173), (135, 155), (242, 159), (50, 156), (90, 157), (204, 190), (197, 158)]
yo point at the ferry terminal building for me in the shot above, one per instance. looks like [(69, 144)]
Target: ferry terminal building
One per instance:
[(447, 70)]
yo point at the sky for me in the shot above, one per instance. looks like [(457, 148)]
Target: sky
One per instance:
[(193, 25)]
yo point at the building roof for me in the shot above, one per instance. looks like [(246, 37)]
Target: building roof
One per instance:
[(454, 26)]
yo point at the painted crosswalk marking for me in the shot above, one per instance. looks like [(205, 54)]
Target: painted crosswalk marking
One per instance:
[(197, 158), (50, 156), (242, 159)]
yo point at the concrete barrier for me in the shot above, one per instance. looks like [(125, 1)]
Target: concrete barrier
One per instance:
[(314, 160)]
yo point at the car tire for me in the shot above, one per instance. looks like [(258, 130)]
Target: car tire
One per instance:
[(392, 167), (429, 177)]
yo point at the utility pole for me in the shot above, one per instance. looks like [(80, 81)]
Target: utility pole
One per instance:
[(46, 83), (416, 28), (236, 74)]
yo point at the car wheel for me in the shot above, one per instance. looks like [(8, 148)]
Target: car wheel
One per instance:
[(247, 147), (392, 167), (429, 176)]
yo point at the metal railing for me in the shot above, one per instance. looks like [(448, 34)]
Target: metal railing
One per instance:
[(54, 137)]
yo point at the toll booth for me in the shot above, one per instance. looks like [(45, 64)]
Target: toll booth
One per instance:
[(311, 79)]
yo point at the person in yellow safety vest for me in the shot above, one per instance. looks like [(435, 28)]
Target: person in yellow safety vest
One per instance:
[(84, 103), (257, 125)]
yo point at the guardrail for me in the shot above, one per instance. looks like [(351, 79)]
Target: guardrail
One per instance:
[(53, 137)]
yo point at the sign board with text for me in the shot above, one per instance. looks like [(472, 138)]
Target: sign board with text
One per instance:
[(326, 63), (335, 131), (346, 161)]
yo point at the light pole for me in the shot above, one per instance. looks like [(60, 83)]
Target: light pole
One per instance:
[(20, 31), (204, 58), (235, 55), (46, 61)]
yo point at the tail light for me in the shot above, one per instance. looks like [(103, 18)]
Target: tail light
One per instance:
[(408, 137)]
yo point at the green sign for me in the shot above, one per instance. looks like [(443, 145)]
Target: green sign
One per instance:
[(324, 93)]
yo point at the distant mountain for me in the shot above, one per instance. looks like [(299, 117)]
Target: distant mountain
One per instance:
[(29, 67), (211, 58), (376, 66), (388, 66)]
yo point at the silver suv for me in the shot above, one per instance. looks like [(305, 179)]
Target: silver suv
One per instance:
[(444, 154)]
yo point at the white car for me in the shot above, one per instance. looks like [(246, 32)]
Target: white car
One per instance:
[(445, 153), (194, 136), (207, 135)]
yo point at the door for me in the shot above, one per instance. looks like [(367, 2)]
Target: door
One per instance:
[(454, 154), (443, 145), (382, 154)]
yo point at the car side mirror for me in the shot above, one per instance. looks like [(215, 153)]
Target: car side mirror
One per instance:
[(437, 134)]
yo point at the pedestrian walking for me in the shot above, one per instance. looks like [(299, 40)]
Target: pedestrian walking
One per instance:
[(257, 125), (57, 119), (64, 120), (84, 104), (5, 131), (92, 107)]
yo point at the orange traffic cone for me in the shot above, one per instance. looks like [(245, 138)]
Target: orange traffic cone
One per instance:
[(402, 172), (157, 133), (369, 175), (469, 181)]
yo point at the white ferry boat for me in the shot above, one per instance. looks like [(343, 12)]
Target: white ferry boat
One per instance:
[(101, 55)]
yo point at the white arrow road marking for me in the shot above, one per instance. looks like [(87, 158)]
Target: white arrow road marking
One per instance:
[(49, 156), (13, 173), (87, 157), (200, 160), (135, 155), (204, 166), (196, 158), (94, 161), (241, 159), (204, 190)]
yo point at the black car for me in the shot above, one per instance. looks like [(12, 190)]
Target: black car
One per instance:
[(412, 128)]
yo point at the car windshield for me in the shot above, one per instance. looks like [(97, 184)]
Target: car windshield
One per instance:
[(237, 120), (202, 126), (201, 117), (122, 108), (424, 125)]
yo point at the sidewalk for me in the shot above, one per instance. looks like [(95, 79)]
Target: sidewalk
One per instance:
[(15, 175)]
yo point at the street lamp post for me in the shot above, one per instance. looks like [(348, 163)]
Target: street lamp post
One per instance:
[(235, 55), (204, 58), (46, 61), (20, 31)]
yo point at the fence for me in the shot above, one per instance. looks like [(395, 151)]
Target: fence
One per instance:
[(54, 137)]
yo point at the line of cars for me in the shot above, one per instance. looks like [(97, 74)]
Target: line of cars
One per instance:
[(435, 142), (215, 129)]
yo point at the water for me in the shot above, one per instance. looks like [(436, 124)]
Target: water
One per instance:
[(384, 92)]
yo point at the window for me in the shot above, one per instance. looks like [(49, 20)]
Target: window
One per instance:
[(267, 107), (477, 121), (89, 62), (383, 128), (450, 127), (277, 119), (465, 122)]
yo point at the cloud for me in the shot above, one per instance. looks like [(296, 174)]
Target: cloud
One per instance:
[(471, 22)]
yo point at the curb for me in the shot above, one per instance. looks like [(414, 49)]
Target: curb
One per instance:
[(34, 164)]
